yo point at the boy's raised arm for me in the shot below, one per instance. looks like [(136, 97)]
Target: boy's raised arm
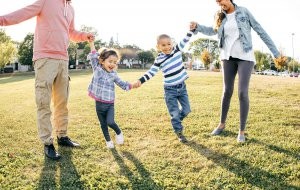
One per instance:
[(184, 41)]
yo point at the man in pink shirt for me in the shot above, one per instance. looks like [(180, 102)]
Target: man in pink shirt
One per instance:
[(54, 29)]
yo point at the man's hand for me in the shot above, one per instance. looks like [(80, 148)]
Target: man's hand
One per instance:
[(91, 37)]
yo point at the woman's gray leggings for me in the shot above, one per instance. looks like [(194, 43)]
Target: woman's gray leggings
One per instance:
[(230, 68)]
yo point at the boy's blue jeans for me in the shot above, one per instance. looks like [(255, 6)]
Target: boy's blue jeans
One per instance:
[(175, 95)]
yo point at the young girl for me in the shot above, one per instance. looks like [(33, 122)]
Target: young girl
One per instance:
[(102, 90)]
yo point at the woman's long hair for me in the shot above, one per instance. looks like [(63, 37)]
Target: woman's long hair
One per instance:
[(219, 16)]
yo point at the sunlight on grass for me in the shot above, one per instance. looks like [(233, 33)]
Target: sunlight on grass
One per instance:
[(152, 157)]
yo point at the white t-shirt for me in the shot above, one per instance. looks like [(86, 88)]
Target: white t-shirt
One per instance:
[(232, 46)]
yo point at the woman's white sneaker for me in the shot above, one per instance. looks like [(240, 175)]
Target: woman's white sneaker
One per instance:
[(241, 138)]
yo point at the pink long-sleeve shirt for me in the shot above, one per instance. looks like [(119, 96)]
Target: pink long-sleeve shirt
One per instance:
[(54, 27)]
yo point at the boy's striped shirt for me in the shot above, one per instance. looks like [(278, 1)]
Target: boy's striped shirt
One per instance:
[(170, 64)]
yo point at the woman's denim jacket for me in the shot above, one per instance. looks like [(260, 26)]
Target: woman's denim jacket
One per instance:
[(245, 21)]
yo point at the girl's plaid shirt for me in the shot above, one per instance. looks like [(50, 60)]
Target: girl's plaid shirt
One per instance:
[(102, 86)]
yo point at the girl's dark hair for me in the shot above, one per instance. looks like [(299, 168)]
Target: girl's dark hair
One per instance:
[(219, 16), (104, 53)]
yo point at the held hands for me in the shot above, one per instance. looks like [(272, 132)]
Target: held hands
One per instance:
[(193, 26), (90, 37), (136, 84)]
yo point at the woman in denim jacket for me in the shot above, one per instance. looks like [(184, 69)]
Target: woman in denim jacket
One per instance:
[(233, 26)]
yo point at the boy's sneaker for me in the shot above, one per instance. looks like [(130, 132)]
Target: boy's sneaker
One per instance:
[(181, 137), (241, 138), (120, 138), (110, 144)]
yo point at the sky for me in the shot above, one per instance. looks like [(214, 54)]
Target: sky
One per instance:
[(139, 22)]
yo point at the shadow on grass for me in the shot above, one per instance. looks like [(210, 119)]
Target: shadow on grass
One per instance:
[(255, 176), (278, 149), (143, 181), (47, 177), (275, 148), (64, 168)]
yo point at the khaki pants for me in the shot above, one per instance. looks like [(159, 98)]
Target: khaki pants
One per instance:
[(51, 81)]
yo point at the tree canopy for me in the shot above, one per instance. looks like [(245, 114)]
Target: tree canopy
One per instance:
[(7, 49), (26, 50)]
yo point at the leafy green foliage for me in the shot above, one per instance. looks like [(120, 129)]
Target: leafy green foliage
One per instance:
[(7, 49), (146, 56), (203, 44), (26, 50), (263, 60), (293, 66), (72, 51)]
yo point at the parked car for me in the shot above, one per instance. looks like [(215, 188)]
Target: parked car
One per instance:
[(8, 69), (197, 65), (284, 74), (293, 74), (270, 72), (258, 73)]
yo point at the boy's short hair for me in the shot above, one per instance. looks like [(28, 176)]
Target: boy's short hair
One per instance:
[(162, 36)]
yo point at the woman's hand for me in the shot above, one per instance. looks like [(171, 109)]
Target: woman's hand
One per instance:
[(193, 25), (280, 61)]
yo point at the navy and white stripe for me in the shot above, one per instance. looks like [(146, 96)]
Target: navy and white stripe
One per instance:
[(170, 64)]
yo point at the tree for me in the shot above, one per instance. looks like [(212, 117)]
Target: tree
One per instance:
[(145, 57), (7, 49), (201, 44), (263, 60), (26, 50), (129, 52), (81, 45), (111, 42), (72, 51), (3, 36), (206, 58), (87, 49), (293, 65)]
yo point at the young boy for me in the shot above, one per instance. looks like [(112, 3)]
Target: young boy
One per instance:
[(169, 60)]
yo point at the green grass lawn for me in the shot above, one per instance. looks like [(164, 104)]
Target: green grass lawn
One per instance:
[(152, 157)]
